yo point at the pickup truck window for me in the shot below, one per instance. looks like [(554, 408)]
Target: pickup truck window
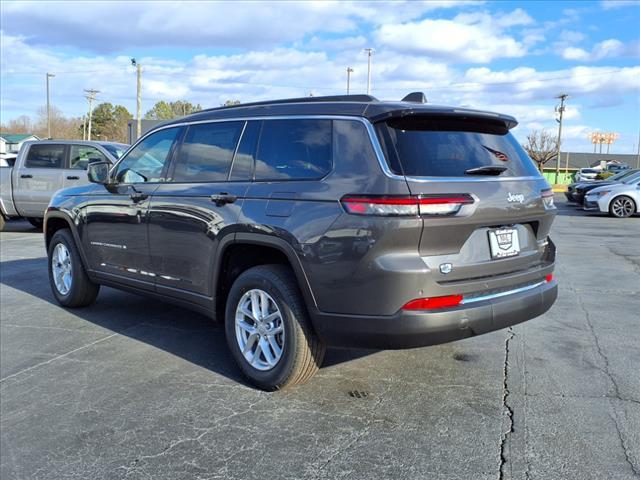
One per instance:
[(146, 161), (81, 154), (45, 156)]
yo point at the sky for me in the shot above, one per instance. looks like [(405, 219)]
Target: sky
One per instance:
[(509, 57)]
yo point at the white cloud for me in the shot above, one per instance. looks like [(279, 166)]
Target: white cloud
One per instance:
[(112, 26), (606, 49), (613, 4), (470, 37)]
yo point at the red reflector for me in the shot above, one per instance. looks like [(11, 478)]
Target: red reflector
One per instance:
[(549, 278), (434, 302)]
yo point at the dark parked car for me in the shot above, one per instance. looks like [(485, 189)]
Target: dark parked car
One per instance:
[(341, 221), (577, 191)]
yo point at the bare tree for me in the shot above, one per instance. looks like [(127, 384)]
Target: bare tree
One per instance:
[(541, 146)]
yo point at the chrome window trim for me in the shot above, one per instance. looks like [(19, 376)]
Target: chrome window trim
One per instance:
[(373, 138), (491, 296)]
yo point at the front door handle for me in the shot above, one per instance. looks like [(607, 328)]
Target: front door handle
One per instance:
[(223, 198), (25, 175), (138, 196), (73, 177)]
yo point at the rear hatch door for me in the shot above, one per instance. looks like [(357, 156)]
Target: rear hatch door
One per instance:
[(502, 229)]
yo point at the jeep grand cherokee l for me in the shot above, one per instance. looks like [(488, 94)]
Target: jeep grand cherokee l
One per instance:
[(341, 221)]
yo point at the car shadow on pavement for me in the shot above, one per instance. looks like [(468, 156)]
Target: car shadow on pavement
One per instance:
[(181, 332)]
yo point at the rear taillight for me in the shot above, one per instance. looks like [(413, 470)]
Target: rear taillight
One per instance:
[(405, 205), (433, 303), (547, 199)]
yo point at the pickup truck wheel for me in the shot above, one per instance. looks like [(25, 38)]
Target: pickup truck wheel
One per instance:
[(36, 222), (268, 329), (69, 281)]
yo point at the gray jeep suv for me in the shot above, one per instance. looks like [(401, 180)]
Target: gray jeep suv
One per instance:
[(340, 221)]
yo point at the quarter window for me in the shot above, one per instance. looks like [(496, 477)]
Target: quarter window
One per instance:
[(81, 155), (294, 150), (45, 156), (146, 161), (206, 152)]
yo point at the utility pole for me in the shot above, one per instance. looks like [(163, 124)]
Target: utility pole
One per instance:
[(138, 96), (90, 96), (369, 53), (49, 75), (349, 72), (560, 110)]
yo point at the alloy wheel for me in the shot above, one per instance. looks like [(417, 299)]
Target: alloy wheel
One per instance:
[(622, 207), (62, 269), (259, 329)]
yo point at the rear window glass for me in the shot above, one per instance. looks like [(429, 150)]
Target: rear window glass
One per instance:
[(45, 156), (445, 147), (206, 152), (294, 150)]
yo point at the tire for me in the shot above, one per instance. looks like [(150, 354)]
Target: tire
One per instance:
[(302, 351), (36, 222), (622, 207), (81, 291)]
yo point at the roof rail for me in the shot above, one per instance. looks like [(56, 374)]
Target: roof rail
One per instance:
[(330, 98)]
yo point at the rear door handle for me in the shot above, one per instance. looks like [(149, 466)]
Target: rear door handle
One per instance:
[(73, 177), (138, 196), (223, 198), (25, 175)]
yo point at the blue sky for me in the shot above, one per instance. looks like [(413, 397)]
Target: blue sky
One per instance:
[(512, 57)]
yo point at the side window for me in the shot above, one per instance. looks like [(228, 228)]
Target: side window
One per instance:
[(294, 150), (82, 154), (206, 152), (145, 162), (45, 156), (242, 168)]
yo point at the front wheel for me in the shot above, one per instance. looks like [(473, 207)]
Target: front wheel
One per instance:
[(268, 329), (69, 281), (622, 207)]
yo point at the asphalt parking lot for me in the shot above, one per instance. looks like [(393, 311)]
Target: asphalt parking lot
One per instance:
[(131, 388)]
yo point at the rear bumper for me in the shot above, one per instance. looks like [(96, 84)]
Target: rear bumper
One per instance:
[(409, 329)]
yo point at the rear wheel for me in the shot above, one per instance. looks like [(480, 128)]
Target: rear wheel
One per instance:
[(268, 329), (36, 222), (622, 207), (69, 281)]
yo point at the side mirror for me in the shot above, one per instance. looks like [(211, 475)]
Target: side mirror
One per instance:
[(98, 172)]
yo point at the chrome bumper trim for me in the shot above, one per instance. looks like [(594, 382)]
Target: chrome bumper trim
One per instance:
[(466, 301)]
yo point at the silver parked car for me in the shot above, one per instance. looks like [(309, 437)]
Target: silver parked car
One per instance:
[(44, 167), (619, 200)]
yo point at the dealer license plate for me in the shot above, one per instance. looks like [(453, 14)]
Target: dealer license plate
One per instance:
[(504, 242)]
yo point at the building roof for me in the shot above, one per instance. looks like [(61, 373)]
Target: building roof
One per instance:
[(16, 137), (586, 160), (349, 105)]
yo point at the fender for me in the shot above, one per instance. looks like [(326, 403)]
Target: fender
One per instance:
[(53, 212), (284, 247)]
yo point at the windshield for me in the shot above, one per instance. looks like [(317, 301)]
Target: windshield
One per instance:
[(632, 178), (115, 149), (589, 170), (451, 147), (621, 175)]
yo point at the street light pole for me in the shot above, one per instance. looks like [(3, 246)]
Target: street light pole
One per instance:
[(138, 96), (369, 53), (349, 72), (560, 110), (49, 75)]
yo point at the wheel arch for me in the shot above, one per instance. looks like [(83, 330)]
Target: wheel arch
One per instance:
[(250, 249), (57, 220)]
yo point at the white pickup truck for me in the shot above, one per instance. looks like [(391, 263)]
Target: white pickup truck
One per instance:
[(42, 168)]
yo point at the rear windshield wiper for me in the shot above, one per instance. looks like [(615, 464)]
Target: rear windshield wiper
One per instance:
[(486, 170)]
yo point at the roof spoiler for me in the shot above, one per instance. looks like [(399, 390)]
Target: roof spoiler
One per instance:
[(415, 97)]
